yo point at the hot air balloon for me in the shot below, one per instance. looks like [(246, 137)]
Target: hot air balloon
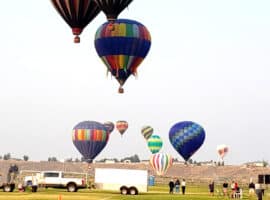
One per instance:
[(90, 138), (161, 162), (147, 131), (112, 8), (122, 49), (222, 150), (154, 143), (121, 126), (77, 14), (109, 126), (186, 137)]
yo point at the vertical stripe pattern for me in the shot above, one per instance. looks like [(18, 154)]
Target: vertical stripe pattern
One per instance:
[(161, 162)]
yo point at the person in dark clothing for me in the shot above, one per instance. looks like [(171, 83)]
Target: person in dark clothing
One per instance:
[(251, 188), (171, 185), (225, 188), (211, 188)]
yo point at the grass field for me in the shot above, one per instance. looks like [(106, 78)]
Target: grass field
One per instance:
[(155, 193)]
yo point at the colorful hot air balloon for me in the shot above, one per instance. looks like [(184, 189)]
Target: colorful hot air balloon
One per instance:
[(112, 8), (222, 150), (161, 162), (77, 14), (109, 126), (154, 143), (147, 131), (186, 137), (121, 126), (90, 138), (122, 49)]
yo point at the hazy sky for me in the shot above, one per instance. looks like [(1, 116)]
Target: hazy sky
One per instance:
[(209, 63)]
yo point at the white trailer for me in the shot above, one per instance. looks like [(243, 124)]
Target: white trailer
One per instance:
[(127, 181)]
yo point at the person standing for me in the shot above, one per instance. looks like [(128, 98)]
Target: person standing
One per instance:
[(225, 188), (183, 186), (34, 183), (251, 188), (177, 185), (211, 188), (258, 191), (171, 186)]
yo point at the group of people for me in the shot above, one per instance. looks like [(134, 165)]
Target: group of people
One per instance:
[(236, 191), (175, 185)]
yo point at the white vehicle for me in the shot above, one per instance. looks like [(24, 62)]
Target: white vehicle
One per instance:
[(58, 179), (127, 181)]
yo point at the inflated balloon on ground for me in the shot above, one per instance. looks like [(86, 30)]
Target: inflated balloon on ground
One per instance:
[(161, 162)]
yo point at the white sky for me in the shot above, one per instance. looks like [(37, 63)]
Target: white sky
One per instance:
[(209, 63)]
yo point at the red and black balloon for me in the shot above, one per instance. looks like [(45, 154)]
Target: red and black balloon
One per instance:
[(77, 14)]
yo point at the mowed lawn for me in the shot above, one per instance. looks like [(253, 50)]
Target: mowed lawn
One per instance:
[(155, 193)]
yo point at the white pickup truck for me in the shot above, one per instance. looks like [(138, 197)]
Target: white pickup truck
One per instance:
[(58, 179)]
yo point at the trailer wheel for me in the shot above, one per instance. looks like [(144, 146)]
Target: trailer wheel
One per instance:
[(124, 190), (133, 191), (71, 187)]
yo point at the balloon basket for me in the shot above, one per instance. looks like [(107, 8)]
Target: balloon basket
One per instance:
[(77, 39), (121, 90), (111, 26)]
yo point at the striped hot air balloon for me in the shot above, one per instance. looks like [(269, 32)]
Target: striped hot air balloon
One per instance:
[(77, 14), (147, 131), (90, 138), (161, 162), (112, 8), (154, 143), (186, 137)]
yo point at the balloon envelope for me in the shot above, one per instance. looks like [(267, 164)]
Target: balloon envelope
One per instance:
[(112, 8), (222, 150), (121, 126), (90, 138), (161, 162), (147, 131), (123, 48), (186, 137), (154, 143), (77, 13), (109, 126)]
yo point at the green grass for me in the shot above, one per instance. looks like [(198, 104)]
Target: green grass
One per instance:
[(159, 192)]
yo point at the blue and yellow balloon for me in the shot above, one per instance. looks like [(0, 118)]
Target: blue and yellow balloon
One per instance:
[(186, 137)]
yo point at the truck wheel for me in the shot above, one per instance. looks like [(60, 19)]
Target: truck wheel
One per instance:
[(71, 187), (124, 190), (7, 188), (133, 191)]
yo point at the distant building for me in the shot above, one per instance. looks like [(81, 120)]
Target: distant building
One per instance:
[(109, 161), (255, 164)]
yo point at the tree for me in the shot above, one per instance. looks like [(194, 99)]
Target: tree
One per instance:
[(52, 159), (25, 158), (7, 156)]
